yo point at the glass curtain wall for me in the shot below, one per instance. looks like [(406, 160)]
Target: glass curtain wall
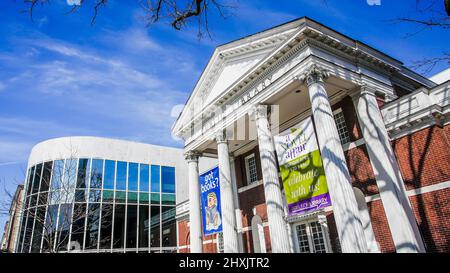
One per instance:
[(97, 205)]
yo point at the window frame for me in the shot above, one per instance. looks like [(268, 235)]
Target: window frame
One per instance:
[(307, 223), (336, 112), (247, 168)]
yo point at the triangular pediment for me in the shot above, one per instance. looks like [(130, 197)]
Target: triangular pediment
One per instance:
[(233, 60)]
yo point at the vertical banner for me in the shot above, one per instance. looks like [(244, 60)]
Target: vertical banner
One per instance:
[(210, 198), (301, 169)]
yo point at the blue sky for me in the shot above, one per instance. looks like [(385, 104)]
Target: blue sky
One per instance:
[(60, 76)]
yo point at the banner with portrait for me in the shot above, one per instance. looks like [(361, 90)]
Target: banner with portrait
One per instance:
[(210, 202)]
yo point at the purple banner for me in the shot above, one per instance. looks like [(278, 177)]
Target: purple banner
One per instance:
[(311, 204)]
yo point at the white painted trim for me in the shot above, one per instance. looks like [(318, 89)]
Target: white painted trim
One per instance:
[(414, 192), (251, 186), (354, 144)]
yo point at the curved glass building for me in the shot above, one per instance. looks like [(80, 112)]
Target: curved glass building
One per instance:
[(94, 194)]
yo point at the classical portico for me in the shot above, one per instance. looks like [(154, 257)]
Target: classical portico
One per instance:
[(255, 88)]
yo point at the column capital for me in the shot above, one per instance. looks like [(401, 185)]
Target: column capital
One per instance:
[(192, 156), (313, 74), (261, 111), (221, 136)]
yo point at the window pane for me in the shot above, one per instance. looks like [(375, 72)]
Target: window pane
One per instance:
[(83, 167), (132, 197), (78, 221), (121, 180), (70, 173), (119, 226), (155, 175), (155, 198), (143, 226), (92, 226), (68, 187), (144, 178), (133, 176), (30, 180), (38, 227), (168, 199), (43, 198), (168, 179), (64, 222), (110, 169), (131, 226), (51, 220), (155, 226), (96, 174), (121, 196), (81, 195), (143, 198), (169, 234), (95, 196), (37, 178), (45, 181), (28, 231), (106, 226), (108, 196), (57, 174), (302, 238)]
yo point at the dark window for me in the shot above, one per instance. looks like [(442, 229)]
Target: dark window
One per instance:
[(143, 226), (37, 178), (22, 232), (168, 179), (92, 226), (156, 178), (121, 179), (155, 226), (28, 231), (106, 226), (131, 226), (78, 220), (83, 167), (51, 220), (169, 234), (46, 175), (30, 180), (133, 176), (119, 226), (64, 222), (110, 169), (144, 178)]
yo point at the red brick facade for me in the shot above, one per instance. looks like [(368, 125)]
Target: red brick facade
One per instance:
[(423, 157)]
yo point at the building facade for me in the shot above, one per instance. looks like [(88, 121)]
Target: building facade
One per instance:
[(382, 132), (90, 194), (11, 230)]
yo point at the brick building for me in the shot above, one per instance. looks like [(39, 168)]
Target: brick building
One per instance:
[(382, 131)]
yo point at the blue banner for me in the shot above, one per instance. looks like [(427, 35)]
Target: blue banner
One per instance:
[(210, 198)]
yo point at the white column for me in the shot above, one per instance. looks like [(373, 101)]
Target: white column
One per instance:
[(345, 208), (402, 223), (236, 205), (279, 236), (195, 220), (230, 237)]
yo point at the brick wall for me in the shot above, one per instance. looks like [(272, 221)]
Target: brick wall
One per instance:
[(424, 156)]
